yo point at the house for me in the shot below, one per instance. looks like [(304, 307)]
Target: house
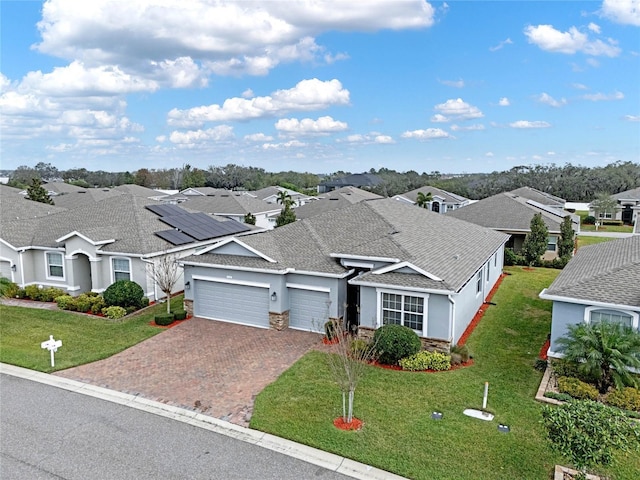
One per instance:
[(360, 180), (626, 210), (87, 249), (368, 264), (539, 196), (512, 214), (271, 195), (333, 200), (442, 201), (601, 283)]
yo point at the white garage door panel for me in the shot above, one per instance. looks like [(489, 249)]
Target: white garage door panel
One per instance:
[(308, 310), (232, 303), (5, 269)]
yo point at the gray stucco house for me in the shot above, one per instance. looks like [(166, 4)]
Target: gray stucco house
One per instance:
[(626, 210), (442, 202), (371, 263), (601, 283)]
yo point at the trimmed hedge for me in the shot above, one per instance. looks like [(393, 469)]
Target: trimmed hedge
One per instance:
[(394, 342), (124, 293), (426, 360), (577, 388), (114, 312), (164, 319), (180, 314)]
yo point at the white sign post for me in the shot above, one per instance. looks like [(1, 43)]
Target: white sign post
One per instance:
[(52, 345)]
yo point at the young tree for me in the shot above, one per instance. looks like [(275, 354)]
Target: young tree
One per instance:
[(424, 200), (604, 351), (287, 215), (284, 198), (567, 238), (535, 243), (165, 272), (604, 205), (38, 193), (347, 363), (589, 432)]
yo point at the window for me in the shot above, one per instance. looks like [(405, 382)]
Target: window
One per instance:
[(605, 215), (495, 260), (121, 269), (598, 316), (552, 244), (55, 265), (479, 282), (403, 310)]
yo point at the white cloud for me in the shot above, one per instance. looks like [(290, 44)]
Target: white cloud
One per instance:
[(217, 134), (594, 28), (501, 45), (258, 137), (307, 126), (549, 100), (305, 96), (489, 154), (453, 83), (529, 124), (369, 138), (632, 118), (600, 97), (504, 102), (285, 145), (456, 109), (579, 86), (384, 139), (548, 38), (477, 126), (439, 118), (248, 93), (626, 12), (428, 134)]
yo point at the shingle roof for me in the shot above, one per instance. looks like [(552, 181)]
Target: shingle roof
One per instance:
[(606, 272), (633, 194), (445, 247), (14, 206), (354, 180), (505, 211), (336, 199), (227, 203), (448, 196), (538, 196)]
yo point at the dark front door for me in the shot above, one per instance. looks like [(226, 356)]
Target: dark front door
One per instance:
[(627, 215), (353, 307)]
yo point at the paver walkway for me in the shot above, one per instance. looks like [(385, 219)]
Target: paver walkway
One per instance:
[(214, 367)]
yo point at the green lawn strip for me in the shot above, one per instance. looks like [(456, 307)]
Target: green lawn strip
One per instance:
[(399, 434), (584, 240), (84, 338), (607, 228)]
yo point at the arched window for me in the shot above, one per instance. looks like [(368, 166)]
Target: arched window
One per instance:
[(435, 207), (598, 314)]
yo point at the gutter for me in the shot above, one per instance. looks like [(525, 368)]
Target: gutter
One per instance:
[(546, 296)]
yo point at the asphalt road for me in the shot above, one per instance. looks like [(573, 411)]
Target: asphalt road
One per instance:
[(51, 433)]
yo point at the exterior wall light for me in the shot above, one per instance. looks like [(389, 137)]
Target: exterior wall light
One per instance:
[(13, 267), (187, 285), (274, 296)]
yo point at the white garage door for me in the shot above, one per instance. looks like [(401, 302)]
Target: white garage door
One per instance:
[(5, 269), (231, 303), (308, 309)]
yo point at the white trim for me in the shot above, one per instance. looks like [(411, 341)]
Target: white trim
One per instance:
[(73, 255), (397, 266), (234, 268), (321, 274), (634, 315), (242, 244), (312, 288), (364, 257), (113, 272), (558, 298), (351, 263), (425, 307), (85, 238), (401, 288), (48, 275), (48, 284), (232, 282)]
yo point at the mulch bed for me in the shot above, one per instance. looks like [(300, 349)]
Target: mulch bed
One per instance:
[(171, 325), (355, 424)]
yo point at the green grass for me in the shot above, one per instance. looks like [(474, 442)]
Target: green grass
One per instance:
[(583, 241), (84, 338), (398, 433), (607, 228)]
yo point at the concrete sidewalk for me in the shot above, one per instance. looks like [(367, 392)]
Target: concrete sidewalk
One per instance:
[(308, 454)]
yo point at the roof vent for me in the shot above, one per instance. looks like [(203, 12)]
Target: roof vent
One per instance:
[(456, 256)]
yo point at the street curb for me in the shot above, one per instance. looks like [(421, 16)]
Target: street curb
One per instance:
[(308, 454)]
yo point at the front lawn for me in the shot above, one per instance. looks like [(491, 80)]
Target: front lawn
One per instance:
[(84, 338), (399, 434), (584, 240)]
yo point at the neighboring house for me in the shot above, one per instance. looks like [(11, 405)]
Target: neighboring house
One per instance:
[(55, 189), (334, 200), (369, 264), (601, 283), (271, 195), (512, 214), (359, 180), (80, 250), (539, 196), (442, 202), (627, 209)]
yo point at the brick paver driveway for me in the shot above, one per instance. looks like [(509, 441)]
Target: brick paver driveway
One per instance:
[(214, 367)]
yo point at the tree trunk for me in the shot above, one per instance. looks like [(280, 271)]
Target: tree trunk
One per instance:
[(350, 415), (344, 408)]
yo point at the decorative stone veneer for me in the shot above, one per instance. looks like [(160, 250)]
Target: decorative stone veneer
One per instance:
[(431, 344), (188, 307), (279, 321)]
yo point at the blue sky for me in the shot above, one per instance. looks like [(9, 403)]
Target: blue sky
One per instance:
[(319, 86)]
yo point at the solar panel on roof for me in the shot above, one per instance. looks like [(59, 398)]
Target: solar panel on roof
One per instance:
[(174, 237), (166, 210)]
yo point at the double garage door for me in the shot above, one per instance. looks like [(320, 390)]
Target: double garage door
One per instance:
[(229, 302), (308, 309)]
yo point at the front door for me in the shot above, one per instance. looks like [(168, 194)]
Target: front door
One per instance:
[(353, 307), (627, 215)]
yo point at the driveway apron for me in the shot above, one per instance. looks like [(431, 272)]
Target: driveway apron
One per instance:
[(213, 367)]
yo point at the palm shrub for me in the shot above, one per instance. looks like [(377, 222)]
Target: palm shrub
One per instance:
[(394, 342), (603, 351)]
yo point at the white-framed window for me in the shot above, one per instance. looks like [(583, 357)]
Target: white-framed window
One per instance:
[(552, 244), (598, 314), (479, 281), (121, 269), (605, 215), (401, 309), (55, 265)]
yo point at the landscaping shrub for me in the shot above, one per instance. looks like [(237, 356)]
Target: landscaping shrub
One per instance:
[(66, 302), (394, 342), (21, 293), (32, 292), (97, 303), (124, 293), (577, 388), (426, 360), (463, 351), (50, 294), (8, 288), (164, 319), (627, 398), (564, 368), (114, 312), (563, 397), (540, 365), (180, 314), (330, 329), (589, 220), (360, 348), (558, 262), (83, 303)]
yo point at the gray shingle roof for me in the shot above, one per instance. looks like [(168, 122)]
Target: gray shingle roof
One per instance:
[(633, 194), (448, 196), (606, 272), (336, 199), (538, 196), (355, 180), (226, 202), (445, 247)]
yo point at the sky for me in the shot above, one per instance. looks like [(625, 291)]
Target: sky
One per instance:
[(319, 86)]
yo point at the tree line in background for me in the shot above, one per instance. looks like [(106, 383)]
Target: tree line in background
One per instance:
[(572, 182)]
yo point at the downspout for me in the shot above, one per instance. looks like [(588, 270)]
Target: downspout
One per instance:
[(155, 285), (21, 267), (452, 316)]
